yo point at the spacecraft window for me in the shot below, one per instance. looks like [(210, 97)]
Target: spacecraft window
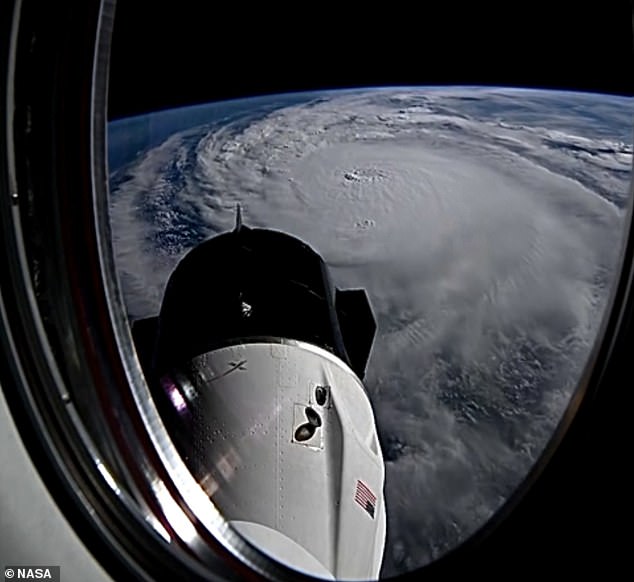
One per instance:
[(489, 226)]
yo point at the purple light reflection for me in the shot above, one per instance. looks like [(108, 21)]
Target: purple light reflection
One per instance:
[(176, 398)]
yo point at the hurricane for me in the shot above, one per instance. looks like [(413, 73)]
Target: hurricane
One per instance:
[(486, 225)]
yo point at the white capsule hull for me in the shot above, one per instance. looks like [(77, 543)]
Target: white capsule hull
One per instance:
[(293, 455)]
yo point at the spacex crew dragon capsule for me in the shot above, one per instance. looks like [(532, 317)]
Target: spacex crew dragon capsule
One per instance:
[(256, 364)]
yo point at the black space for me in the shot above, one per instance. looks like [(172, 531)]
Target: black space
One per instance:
[(165, 55)]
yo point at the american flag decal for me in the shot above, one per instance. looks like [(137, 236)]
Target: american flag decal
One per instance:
[(365, 498)]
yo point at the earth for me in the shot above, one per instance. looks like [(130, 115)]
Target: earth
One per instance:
[(486, 225)]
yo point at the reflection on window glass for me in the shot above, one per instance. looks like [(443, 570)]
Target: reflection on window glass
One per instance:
[(484, 224)]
